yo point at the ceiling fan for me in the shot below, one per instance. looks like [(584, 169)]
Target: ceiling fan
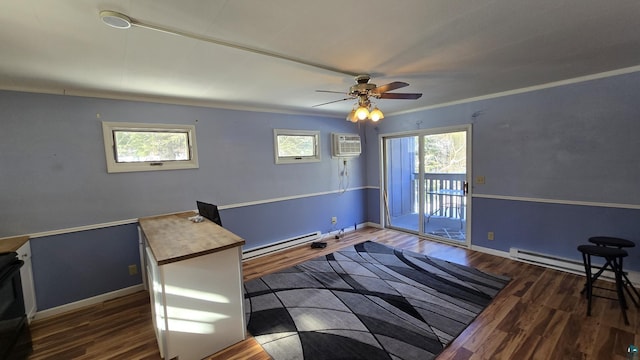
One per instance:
[(363, 91)]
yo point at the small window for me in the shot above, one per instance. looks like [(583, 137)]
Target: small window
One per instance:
[(295, 146), (149, 147)]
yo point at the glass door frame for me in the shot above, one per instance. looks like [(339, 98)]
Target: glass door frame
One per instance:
[(420, 133)]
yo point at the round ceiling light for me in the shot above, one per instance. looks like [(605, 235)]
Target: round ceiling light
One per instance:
[(115, 19), (362, 113), (376, 115)]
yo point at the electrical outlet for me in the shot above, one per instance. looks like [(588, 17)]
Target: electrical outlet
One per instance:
[(334, 220), (480, 180), (133, 269), (490, 235)]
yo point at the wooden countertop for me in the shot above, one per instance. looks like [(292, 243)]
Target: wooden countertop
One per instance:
[(12, 244), (174, 237)]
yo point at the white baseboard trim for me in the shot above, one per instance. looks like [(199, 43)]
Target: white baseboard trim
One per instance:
[(284, 244), (634, 276), (279, 246), (345, 230), (88, 301), (371, 224), (490, 251)]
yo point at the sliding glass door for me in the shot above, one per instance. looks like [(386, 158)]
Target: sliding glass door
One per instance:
[(425, 184)]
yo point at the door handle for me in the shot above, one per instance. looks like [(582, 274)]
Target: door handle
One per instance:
[(465, 188)]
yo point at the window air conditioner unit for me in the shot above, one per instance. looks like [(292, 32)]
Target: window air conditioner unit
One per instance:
[(346, 145)]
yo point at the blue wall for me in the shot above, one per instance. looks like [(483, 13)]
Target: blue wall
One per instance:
[(267, 223), (550, 228), (561, 164), (53, 160), (78, 265), (54, 177)]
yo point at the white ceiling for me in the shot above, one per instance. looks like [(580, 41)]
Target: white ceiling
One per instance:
[(446, 49)]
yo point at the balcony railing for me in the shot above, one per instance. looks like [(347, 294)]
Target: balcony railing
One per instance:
[(444, 194)]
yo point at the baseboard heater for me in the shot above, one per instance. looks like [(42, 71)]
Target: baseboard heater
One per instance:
[(554, 262), (287, 243)]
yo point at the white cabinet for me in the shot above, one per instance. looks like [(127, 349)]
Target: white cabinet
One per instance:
[(156, 295), (194, 274), (26, 275)]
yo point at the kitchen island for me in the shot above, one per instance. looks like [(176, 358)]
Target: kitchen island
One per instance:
[(194, 275)]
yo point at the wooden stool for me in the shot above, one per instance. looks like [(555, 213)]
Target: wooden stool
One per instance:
[(619, 243), (613, 260)]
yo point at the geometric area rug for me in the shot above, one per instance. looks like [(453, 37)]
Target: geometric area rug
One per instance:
[(367, 301)]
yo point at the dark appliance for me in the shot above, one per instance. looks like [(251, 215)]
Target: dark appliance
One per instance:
[(209, 211), (15, 337)]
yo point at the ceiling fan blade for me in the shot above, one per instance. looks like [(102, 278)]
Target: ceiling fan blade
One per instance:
[(390, 86), (408, 96), (334, 101), (331, 91)]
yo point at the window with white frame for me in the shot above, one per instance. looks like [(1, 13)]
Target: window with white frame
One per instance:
[(296, 146), (149, 147)]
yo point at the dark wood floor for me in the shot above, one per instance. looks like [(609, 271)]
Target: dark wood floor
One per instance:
[(539, 315)]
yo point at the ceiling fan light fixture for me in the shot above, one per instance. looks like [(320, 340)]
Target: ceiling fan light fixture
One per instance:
[(376, 114), (364, 91), (352, 116), (362, 113), (115, 19)]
